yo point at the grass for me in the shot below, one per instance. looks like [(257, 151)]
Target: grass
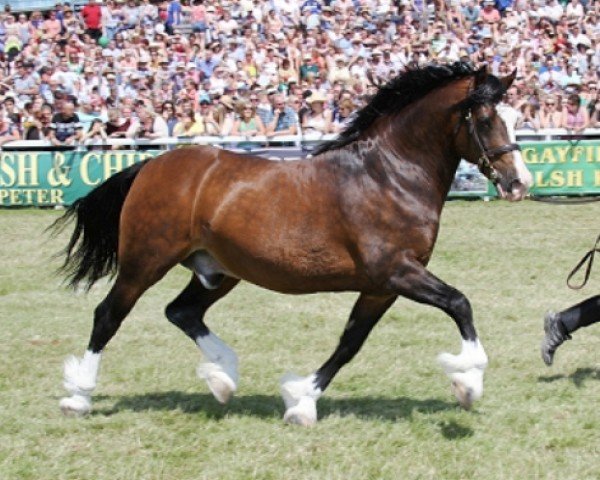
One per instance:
[(389, 414)]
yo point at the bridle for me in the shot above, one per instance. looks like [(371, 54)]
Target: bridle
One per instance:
[(488, 156)]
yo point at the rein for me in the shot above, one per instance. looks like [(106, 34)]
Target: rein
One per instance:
[(589, 258)]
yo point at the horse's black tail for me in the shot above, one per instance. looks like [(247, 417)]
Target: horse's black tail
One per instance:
[(92, 250)]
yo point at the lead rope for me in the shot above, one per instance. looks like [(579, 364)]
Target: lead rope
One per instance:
[(589, 258)]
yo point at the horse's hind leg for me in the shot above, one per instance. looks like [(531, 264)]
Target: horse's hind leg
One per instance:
[(81, 374), (300, 394), (187, 312)]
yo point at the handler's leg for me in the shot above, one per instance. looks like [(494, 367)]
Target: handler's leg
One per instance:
[(187, 312), (559, 326)]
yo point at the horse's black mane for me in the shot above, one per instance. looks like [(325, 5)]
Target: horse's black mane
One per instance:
[(410, 85)]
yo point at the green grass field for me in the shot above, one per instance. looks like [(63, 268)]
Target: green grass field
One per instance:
[(389, 414)]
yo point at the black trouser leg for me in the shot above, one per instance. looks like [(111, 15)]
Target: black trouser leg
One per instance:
[(581, 315)]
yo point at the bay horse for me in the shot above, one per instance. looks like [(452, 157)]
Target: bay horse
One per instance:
[(361, 215)]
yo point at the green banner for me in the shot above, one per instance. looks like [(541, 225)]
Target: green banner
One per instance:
[(563, 167), (60, 178)]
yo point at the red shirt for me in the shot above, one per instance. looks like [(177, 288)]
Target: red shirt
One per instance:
[(92, 14)]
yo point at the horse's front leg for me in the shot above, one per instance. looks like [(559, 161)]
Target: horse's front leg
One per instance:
[(466, 369)]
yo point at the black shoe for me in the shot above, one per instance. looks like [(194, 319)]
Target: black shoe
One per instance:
[(555, 336)]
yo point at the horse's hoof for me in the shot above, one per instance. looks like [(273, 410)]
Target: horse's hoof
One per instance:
[(463, 394), (300, 415), (219, 383), (75, 406), (220, 386), (300, 398)]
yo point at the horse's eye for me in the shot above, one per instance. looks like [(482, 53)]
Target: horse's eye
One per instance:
[(485, 123)]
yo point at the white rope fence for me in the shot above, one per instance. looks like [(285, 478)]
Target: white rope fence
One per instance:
[(301, 143)]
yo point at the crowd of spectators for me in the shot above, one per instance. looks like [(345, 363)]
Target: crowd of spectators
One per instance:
[(140, 69)]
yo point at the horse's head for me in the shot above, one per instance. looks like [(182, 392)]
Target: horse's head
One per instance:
[(487, 138)]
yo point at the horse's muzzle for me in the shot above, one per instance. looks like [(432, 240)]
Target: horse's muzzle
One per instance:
[(513, 191)]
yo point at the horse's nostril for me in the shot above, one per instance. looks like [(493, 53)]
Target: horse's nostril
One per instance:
[(514, 183)]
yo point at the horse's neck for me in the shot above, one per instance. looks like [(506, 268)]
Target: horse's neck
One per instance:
[(420, 142)]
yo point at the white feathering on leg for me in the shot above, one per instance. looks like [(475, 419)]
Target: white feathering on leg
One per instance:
[(472, 355), (80, 380), (300, 397), (81, 375), (221, 370), (466, 371)]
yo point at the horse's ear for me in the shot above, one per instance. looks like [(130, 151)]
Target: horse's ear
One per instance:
[(509, 79), (481, 75)]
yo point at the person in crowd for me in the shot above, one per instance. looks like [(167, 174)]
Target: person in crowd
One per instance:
[(198, 15), (96, 132), (66, 78), (29, 113), (224, 114), (26, 30), (148, 125), (38, 127), (174, 16), (550, 117), (248, 122), (575, 117), (281, 120), (52, 26), (131, 15), (208, 118), (119, 121), (343, 115), (593, 105), (167, 110), (25, 81), (470, 12), (111, 18), (490, 14), (574, 10), (65, 129), (529, 118), (8, 131), (286, 72), (188, 125), (91, 14), (71, 27), (12, 40), (318, 118), (309, 67), (340, 72)]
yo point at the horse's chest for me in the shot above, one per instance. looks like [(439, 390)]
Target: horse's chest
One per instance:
[(382, 255)]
